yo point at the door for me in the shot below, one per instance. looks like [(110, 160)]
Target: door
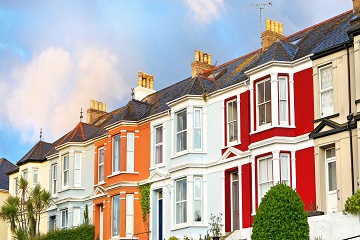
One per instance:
[(160, 217), (332, 192), (101, 223), (235, 201)]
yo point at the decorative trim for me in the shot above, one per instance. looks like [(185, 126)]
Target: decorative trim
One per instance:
[(357, 101), (336, 128), (273, 140), (327, 117)]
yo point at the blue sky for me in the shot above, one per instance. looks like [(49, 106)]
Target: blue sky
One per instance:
[(57, 55)]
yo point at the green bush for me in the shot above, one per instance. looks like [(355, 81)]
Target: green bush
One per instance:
[(352, 204), (83, 232), (281, 215)]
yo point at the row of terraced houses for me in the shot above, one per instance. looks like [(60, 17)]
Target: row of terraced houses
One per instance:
[(214, 142)]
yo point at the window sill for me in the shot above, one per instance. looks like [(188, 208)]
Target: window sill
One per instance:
[(180, 226), (272, 127), (119, 173), (231, 144), (162, 165), (123, 238), (74, 188), (99, 184)]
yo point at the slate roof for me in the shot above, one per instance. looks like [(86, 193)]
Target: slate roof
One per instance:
[(5, 166), (37, 153)]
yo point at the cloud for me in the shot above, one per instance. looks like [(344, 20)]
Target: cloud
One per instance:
[(49, 91), (205, 11)]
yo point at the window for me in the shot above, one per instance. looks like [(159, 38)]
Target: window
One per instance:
[(180, 201), (264, 102), (158, 144), (197, 199), (54, 170), (232, 121), (64, 218), (129, 214), (25, 174), (197, 129), (101, 165), (283, 100), (331, 168), (181, 128), (265, 176), (35, 176), (326, 91), (115, 216), (66, 172), (130, 153), (77, 170), (116, 153), (76, 217), (16, 186), (285, 168)]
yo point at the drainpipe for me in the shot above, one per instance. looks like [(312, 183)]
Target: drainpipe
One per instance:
[(350, 118)]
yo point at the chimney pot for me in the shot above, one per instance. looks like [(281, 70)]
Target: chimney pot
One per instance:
[(201, 57), (272, 25), (197, 57), (91, 104), (205, 58), (267, 24), (276, 27), (280, 28), (209, 59), (139, 79)]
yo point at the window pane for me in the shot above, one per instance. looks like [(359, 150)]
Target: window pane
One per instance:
[(262, 115), (116, 153), (267, 91), (332, 176), (181, 142), (130, 142), (181, 121), (101, 173), (35, 176), (159, 135), (327, 103), (197, 138), (330, 153), (268, 112), (197, 187), (76, 217), (197, 210), (197, 118), (77, 160), (181, 212), (130, 162), (285, 168), (116, 216), (282, 89), (283, 112), (181, 190), (101, 156), (261, 92), (159, 153), (265, 176), (326, 78), (129, 214)]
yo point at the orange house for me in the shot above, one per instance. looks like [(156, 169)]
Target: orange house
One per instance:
[(121, 160)]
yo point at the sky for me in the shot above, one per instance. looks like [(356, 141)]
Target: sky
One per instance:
[(56, 55)]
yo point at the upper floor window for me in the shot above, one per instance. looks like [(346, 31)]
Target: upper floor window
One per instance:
[(77, 170), (264, 102), (181, 201), (116, 153), (197, 129), (283, 99), (326, 91), (181, 131), (158, 144), (54, 169), (35, 176), (232, 130), (130, 152), (101, 165), (66, 171)]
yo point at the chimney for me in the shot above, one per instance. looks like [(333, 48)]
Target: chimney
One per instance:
[(202, 62), (356, 6), (273, 31), (96, 110), (145, 86)]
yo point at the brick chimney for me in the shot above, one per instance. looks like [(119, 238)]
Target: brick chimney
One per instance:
[(356, 6), (273, 31), (96, 110), (145, 86), (202, 62)]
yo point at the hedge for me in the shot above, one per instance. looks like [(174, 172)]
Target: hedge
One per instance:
[(83, 232)]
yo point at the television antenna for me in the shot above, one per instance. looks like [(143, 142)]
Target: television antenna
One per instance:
[(260, 7)]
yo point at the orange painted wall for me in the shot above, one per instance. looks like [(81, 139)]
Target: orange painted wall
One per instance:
[(141, 167)]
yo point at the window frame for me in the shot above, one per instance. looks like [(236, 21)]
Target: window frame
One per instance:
[(77, 169), (116, 158), (16, 186), (265, 102), (180, 202), (326, 90), (117, 211), (130, 152), (35, 170), (328, 160), (101, 165), (129, 219), (64, 212), (267, 181), (25, 174), (54, 177), (76, 216), (235, 121), (198, 128), (287, 181), (158, 145), (66, 172), (284, 99), (182, 133), (199, 178)]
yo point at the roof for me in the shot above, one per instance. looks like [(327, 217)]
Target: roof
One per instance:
[(37, 153), (5, 166)]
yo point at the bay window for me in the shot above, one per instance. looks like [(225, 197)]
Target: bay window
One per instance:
[(116, 153), (264, 102), (158, 144), (101, 165), (130, 152), (232, 121), (326, 91), (180, 201), (181, 131)]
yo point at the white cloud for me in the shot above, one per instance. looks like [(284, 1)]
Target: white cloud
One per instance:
[(205, 11), (49, 91)]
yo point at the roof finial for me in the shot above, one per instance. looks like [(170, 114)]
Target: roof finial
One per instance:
[(81, 116), (132, 93), (40, 134)]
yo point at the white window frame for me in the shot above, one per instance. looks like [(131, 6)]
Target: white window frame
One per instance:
[(101, 165), (326, 90), (284, 100), (35, 173), (267, 180), (117, 216), (285, 170), (25, 174), (198, 128), (66, 171), (329, 160), (64, 213), (198, 199), (16, 186), (76, 216), (54, 173), (158, 155), (263, 103), (233, 121), (181, 133), (116, 156), (77, 169), (129, 215), (130, 153), (180, 202)]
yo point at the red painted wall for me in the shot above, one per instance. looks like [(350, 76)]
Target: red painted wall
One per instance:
[(305, 175), (246, 194)]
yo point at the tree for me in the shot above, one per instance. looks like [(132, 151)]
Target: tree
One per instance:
[(281, 215), (23, 213)]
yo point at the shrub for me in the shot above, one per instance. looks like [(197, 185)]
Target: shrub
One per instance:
[(352, 204), (281, 215), (82, 232)]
